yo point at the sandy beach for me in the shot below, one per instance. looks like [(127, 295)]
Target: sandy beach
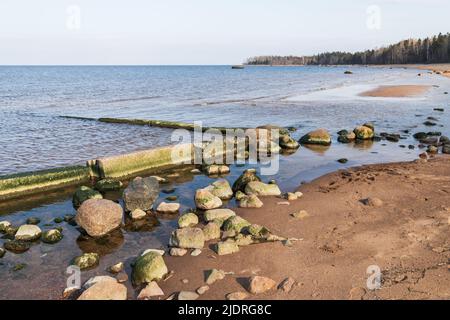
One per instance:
[(399, 91), (406, 235)]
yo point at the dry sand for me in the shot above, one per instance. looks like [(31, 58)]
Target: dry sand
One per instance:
[(407, 237), (397, 91)]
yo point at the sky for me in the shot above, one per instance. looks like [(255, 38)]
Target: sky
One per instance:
[(175, 32)]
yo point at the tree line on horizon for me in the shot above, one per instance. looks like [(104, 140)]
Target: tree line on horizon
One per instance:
[(434, 49)]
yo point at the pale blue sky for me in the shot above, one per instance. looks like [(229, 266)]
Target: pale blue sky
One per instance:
[(203, 31)]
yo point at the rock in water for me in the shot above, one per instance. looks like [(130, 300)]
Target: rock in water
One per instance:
[(251, 201), (188, 220), (221, 189), (205, 200), (141, 193), (138, 214), (249, 175), (218, 214), (188, 238), (258, 284), (2, 252), (28, 232), (446, 149), (106, 289), (149, 267), (106, 185), (84, 193), (33, 220), (261, 189), (17, 246), (319, 137), (87, 260), (168, 208), (4, 225), (364, 133), (286, 142), (52, 236), (99, 216), (151, 290), (236, 224), (211, 231)]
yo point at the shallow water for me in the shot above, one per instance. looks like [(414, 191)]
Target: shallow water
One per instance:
[(34, 137)]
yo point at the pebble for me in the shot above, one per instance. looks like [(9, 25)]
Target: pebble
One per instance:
[(298, 194), (202, 290), (287, 284), (283, 203), (122, 277), (185, 281), (158, 251), (373, 202), (138, 214), (302, 214), (177, 252), (236, 296), (196, 252), (291, 196), (259, 284), (117, 268)]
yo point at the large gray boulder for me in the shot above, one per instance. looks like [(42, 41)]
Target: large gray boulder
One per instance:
[(99, 216), (141, 193)]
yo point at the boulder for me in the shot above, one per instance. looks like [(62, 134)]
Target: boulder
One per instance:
[(168, 208), (106, 185), (211, 231), (205, 200), (99, 216), (319, 137), (226, 247), (87, 260), (258, 284), (364, 133), (188, 238), (251, 201), (52, 236), (218, 214), (84, 193), (261, 189), (106, 289), (149, 267), (249, 175), (188, 220), (28, 232), (151, 290), (221, 189), (236, 224), (141, 193)]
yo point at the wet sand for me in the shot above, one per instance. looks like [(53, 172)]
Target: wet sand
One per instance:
[(399, 91), (407, 237)]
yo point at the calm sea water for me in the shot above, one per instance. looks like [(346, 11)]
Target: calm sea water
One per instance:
[(34, 136)]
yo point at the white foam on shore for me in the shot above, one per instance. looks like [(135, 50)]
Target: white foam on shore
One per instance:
[(352, 92)]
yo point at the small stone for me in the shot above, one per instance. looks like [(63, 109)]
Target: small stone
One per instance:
[(158, 251), (357, 293), (240, 195), (138, 214), (19, 266), (291, 196), (187, 295), (222, 214), (69, 291), (106, 185), (283, 203), (87, 260), (84, 193), (400, 278), (319, 137), (298, 194), (172, 198), (225, 248), (261, 189), (211, 231), (287, 284), (251, 201), (2, 252), (202, 290), (302, 214), (168, 208), (258, 284), (151, 290), (235, 223), (248, 176), (185, 281), (117, 268), (205, 200), (17, 246), (196, 171), (188, 220), (4, 225), (214, 275), (122, 277), (28, 232), (52, 236), (236, 296), (342, 160), (177, 252), (196, 252), (373, 202), (221, 189), (33, 220), (58, 220)]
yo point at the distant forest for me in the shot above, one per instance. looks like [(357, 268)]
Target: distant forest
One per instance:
[(429, 50)]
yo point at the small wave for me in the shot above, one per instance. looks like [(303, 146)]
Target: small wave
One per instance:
[(133, 99)]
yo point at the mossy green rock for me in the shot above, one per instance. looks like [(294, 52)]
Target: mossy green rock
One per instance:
[(84, 193), (261, 189), (187, 238), (188, 220), (364, 133), (218, 214), (52, 236), (221, 189), (257, 231), (236, 224), (249, 175), (250, 201), (106, 185), (225, 248), (149, 267), (205, 200), (17, 246), (33, 220), (319, 137), (87, 260), (4, 225)]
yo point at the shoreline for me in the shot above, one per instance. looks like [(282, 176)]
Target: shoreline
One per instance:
[(406, 236)]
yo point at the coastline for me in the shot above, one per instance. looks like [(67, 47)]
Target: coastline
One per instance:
[(406, 236)]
